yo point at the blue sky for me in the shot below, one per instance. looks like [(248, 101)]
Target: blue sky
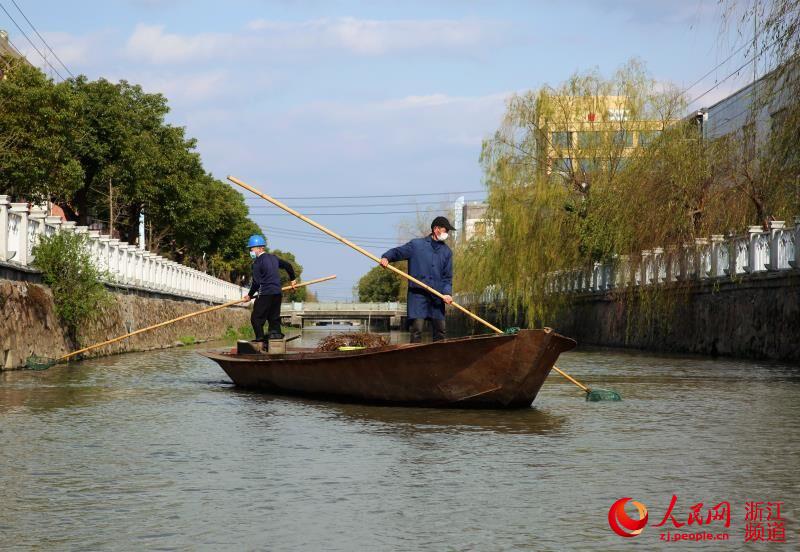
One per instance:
[(311, 98)]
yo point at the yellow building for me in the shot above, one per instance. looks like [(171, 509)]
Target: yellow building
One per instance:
[(579, 136), (7, 51)]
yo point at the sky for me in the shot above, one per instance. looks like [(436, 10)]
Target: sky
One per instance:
[(325, 102)]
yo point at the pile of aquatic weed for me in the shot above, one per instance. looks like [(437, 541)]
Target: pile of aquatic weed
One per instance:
[(368, 340)]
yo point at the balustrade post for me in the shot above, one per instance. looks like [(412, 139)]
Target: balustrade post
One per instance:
[(4, 207), (777, 243), (686, 264), (173, 277), (702, 259), (644, 267), (36, 218), (103, 253), (622, 271), (754, 263), (114, 258), (93, 237), (795, 263), (160, 277), (717, 258), (52, 222), (595, 276), (21, 210), (124, 264), (147, 266)]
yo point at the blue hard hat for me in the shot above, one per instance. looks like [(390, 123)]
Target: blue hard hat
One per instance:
[(256, 240)]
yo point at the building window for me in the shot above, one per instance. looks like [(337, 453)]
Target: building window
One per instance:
[(620, 164), (749, 141), (589, 139), (623, 138), (561, 139), (562, 165), (617, 114), (647, 137), (589, 166), (778, 121)]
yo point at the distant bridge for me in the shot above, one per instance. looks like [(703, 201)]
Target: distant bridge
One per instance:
[(371, 315)]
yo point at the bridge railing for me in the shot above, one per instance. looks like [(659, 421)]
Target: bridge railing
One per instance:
[(22, 225), (759, 251), (342, 307)]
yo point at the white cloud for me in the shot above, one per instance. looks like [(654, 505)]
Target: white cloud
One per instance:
[(411, 123), (374, 37), (152, 43), (75, 51), (187, 88)]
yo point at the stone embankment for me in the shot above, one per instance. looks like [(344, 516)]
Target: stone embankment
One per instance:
[(29, 325), (755, 317)]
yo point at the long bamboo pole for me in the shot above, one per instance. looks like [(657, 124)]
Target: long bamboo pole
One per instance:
[(184, 317), (359, 249), (363, 251)]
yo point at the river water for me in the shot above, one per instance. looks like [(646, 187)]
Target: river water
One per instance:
[(159, 451)]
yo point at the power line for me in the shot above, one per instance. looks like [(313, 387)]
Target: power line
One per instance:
[(31, 42), (375, 196), (312, 240), (271, 228), (340, 205), (720, 64), (341, 214), (386, 244), (747, 62), (42, 38)]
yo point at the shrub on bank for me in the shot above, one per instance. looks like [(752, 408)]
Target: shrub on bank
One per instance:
[(67, 269)]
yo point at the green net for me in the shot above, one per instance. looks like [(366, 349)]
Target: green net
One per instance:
[(597, 395), (35, 362), (512, 331)]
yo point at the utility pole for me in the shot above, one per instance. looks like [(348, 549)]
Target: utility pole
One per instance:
[(141, 229), (110, 209)]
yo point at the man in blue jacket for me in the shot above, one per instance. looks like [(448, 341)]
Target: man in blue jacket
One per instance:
[(267, 282), (430, 261)]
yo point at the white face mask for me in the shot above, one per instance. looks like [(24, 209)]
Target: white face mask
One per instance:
[(442, 236), (253, 255)]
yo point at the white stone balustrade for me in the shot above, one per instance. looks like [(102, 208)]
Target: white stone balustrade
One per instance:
[(774, 250), (21, 227)]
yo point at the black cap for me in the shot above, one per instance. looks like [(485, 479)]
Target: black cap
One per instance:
[(443, 222)]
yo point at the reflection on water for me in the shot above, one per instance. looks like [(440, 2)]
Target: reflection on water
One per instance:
[(158, 451)]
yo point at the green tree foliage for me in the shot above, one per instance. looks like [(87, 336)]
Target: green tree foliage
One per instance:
[(380, 285), (616, 195), (296, 295), (765, 171), (104, 152), (66, 266), (37, 131)]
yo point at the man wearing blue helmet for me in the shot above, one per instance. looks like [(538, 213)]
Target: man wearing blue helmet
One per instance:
[(267, 283)]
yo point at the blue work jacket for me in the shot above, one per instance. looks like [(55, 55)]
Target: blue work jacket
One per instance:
[(431, 262)]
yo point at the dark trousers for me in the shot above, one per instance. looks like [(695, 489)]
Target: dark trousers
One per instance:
[(417, 324), (267, 308)]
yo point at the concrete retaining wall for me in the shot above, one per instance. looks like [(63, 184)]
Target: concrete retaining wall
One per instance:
[(28, 323), (757, 317)]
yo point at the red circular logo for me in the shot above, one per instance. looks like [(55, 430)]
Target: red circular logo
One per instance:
[(621, 523)]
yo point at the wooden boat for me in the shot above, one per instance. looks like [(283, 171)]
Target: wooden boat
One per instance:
[(492, 371)]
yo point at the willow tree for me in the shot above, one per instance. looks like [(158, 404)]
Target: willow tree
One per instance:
[(557, 172), (762, 161)]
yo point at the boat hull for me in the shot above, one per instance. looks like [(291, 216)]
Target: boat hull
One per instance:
[(495, 371)]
